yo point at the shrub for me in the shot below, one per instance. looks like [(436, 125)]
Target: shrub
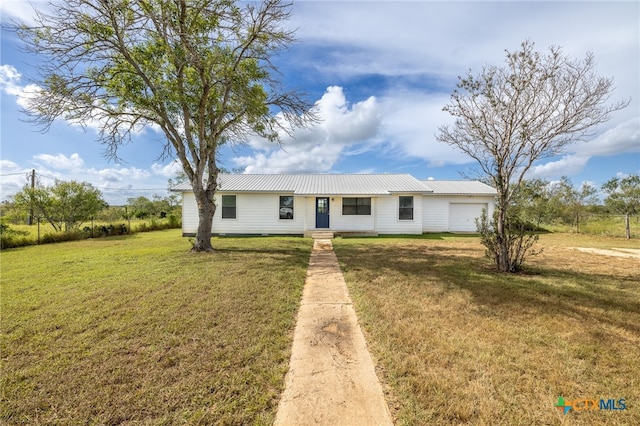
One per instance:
[(520, 239), (10, 238), (58, 237), (174, 221)]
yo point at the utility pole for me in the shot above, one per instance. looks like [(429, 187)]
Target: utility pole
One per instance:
[(33, 185)]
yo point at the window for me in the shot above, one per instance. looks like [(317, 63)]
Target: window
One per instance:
[(286, 207), (405, 211), (228, 206), (356, 206)]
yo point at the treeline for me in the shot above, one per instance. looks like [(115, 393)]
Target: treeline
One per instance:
[(539, 202), (77, 210)]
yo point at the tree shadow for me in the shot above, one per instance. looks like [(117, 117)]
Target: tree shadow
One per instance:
[(588, 297)]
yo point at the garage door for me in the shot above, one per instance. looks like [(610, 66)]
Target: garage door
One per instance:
[(462, 217)]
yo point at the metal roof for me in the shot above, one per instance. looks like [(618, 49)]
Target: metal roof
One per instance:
[(317, 184), (459, 187)]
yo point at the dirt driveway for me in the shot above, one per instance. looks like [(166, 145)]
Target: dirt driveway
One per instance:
[(617, 252)]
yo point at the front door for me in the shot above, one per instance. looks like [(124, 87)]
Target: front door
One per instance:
[(322, 213)]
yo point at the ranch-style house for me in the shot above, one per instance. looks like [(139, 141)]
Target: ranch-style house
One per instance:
[(299, 204)]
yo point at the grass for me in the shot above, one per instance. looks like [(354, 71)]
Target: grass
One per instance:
[(138, 330), (457, 343), (44, 233), (610, 226)]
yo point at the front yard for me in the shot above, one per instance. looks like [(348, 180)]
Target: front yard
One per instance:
[(137, 330), (457, 343)]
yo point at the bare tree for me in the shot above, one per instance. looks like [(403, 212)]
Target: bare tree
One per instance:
[(533, 107), (201, 71)]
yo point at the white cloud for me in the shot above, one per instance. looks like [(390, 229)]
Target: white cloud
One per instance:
[(625, 137), (13, 178), (316, 149), (10, 79), (566, 166), (10, 84), (411, 123), (19, 10), (9, 75), (169, 170), (61, 161), (432, 43), (119, 174), (116, 183), (449, 37), (8, 167), (400, 125)]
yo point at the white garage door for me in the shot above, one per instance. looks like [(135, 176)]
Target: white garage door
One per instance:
[(462, 217)]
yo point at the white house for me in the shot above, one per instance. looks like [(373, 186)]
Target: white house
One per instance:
[(297, 204)]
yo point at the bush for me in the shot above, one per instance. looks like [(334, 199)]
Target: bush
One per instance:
[(157, 225), (58, 237), (174, 222), (519, 239), (10, 238)]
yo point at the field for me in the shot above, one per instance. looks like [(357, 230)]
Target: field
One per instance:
[(44, 233), (457, 343), (138, 330)]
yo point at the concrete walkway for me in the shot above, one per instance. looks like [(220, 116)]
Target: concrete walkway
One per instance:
[(331, 378)]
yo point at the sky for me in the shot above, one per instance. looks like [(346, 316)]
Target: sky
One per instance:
[(379, 73)]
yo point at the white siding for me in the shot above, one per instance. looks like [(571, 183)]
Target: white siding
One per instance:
[(255, 214), (258, 213), (352, 222), (387, 221), (189, 213), (338, 221), (435, 213)]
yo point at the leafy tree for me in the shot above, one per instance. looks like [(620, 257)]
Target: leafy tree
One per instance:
[(12, 213), (65, 205), (624, 197), (140, 207), (199, 70), (508, 117), (162, 205), (533, 201), (572, 202)]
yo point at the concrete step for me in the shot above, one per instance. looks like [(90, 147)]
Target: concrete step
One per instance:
[(322, 235)]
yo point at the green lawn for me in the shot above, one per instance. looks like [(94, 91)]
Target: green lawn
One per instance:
[(138, 330), (457, 343)]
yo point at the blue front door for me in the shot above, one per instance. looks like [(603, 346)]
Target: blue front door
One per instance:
[(322, 213)]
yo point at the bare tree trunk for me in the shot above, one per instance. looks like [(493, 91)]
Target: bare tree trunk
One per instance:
[(503, 247), (627, 228), (206, 210)]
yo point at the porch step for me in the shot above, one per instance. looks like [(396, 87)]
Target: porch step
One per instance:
[(322, 235)]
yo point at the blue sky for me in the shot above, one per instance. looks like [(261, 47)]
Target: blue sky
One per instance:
[(380, 73)]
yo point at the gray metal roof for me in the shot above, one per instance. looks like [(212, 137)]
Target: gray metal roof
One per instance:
[(459, 187), (317, 184)]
